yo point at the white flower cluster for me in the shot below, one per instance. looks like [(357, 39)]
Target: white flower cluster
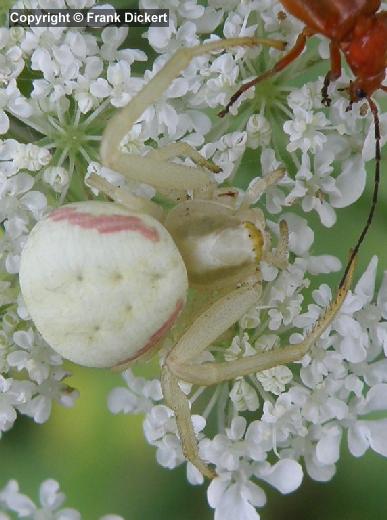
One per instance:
[(38, 370), (304, 412), (334, 147), (41, 380), (51, 132), (50, 507), (21, 206)]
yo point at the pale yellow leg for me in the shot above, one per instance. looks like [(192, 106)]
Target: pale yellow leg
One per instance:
[(210, 325), (178, 402), (282, 251), (179, 364), (160, 174), (182, 149), (147, 169), (280, 257), (207, 374), (124, 197), (255, 192)]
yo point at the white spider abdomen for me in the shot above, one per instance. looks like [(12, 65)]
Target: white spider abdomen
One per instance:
[(102, 285)]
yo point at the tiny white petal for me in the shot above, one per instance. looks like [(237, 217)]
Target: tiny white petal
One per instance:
[(111, 517), (350, 183), (365, 287), (194, 476), (376, 399), (49, 494), (378, 436), (382, 296), (4, 122), (323, 264), (328, 447), (286, 475), (357, 439), (216, 490)]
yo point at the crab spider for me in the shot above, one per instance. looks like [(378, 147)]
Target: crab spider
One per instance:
[(105, 281)]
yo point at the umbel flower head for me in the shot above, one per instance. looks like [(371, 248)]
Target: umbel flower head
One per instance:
[(272, 426), (50, 507)]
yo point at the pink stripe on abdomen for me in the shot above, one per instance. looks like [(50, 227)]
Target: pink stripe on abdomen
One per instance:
[(158, 335), (105, 224)]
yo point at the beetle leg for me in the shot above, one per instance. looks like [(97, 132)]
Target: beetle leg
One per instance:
[(333, 74), (294, 52), (374, 110)]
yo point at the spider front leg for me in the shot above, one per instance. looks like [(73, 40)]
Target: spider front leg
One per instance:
[(161, 173), (180, 363)]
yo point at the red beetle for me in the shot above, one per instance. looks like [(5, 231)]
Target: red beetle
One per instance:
[(356, 29)]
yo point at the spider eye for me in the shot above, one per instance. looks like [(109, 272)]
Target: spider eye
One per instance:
[(360, 93)]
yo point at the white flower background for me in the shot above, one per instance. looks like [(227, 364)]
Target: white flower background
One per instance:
[(268, 431)]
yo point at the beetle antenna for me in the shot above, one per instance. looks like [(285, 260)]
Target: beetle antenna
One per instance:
[(374, 110)]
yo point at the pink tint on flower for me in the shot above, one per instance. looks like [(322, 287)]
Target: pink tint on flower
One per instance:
[(105, 223)]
